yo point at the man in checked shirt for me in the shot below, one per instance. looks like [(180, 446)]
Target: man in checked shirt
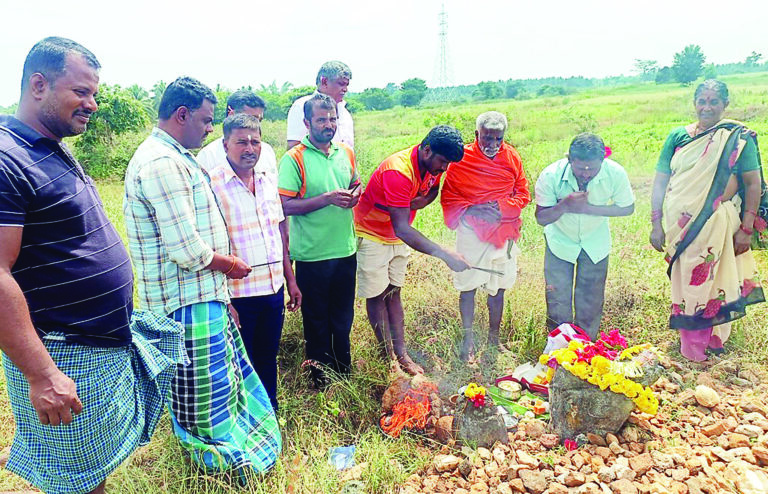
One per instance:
[(246, 190)]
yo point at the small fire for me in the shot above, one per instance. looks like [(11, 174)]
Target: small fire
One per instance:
[(411, 413)]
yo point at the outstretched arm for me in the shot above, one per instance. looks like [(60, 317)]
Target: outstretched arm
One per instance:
[(414, 239)]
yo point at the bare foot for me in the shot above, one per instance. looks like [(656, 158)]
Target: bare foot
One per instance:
[(409, 365)]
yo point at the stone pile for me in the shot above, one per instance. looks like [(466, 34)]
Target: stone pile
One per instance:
[(706, 439)]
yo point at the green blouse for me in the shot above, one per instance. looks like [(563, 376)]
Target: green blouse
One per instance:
[(748, 160)]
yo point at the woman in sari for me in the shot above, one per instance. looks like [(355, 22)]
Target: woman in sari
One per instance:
[(704, 204)]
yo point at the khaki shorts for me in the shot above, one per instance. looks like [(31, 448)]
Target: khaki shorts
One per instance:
[(379, 265), (485, 255)]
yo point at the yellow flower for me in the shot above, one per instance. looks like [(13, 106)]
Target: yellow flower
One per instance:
[(544, 358), (600, 364)]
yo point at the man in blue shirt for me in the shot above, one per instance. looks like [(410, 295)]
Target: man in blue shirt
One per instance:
[(66, 289)]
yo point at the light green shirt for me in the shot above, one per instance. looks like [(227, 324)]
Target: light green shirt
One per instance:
[(573, 232), (329, 232)]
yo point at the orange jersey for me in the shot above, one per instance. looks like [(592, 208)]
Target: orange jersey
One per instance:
[(394, 183)]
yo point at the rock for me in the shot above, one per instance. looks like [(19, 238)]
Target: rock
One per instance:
[(445, 463), (722, 454), (603, 453), (737, 440), (460, 491), (641, 463), (492, 469), (747, 480), (502, 488), (606, 475), (761, 454), (574, 479), (753, 417), (479, 488), (578, 407), (706, 396), (685, 397), (479, 426), (444, 428), (662, 461), (589, 488), (524, 458), (715, 429), (549, 441), (596, 440), (465, 467), (623, 472), (680, 474), (533, 480), (749, 430), (354, 473), (517, 485), (623, 486), (750, 406), (556, 488), (499, 455), (611, 438), (630, 434), (534, 429), (616, 449)]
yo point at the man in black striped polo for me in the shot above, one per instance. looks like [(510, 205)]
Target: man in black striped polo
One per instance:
[(81, 401)]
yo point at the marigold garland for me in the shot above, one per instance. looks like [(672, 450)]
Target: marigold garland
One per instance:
[(475, 394), (600, 363)]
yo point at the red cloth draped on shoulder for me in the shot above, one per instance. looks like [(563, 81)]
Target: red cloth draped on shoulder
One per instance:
[(476, 179)]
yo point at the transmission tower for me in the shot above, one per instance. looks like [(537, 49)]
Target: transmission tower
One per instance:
[(443, 73)]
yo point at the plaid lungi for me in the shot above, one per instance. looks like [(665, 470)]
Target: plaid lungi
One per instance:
[(123, 391), (220, 410)]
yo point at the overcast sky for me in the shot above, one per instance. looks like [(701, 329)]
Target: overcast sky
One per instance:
[(238, 42)]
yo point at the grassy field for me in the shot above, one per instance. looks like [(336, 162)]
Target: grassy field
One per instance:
[(633, 121)]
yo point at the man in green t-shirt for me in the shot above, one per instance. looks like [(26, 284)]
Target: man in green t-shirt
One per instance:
[(319, 186)]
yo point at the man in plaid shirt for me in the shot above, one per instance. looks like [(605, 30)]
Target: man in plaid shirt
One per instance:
[(180, 247), (246, 189)]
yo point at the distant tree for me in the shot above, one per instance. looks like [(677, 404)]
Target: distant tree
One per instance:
[(413, 91), (220, 112), (142, 95), (392, 88), (8, 110), (119, 112), (688, 64), (646, 68), (157, 94), (487, 90), (753, 59), (513, 89), (548, 90), (710, 71), (664, 75), (376, 99)]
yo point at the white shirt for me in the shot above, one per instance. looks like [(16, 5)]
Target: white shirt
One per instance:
[(345, 127), (214, 155)]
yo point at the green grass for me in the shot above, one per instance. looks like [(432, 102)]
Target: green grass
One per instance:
[(634, 121)]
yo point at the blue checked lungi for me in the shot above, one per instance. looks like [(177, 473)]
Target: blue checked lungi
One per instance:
[(219, 408), (123, 391)]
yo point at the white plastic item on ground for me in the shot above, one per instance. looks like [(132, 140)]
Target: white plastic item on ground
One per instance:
[(528, 371)]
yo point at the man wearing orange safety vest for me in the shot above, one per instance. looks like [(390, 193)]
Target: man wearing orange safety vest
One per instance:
[(319, 186), (402, 184)]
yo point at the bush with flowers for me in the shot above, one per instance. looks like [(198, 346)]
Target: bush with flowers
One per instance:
[(607, 363)]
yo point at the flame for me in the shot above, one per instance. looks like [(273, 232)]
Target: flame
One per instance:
[(412, 413)]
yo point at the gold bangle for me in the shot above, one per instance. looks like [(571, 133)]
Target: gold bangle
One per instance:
[(231, 267)]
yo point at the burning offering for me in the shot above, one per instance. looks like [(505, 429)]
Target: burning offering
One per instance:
[(411, 405)]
